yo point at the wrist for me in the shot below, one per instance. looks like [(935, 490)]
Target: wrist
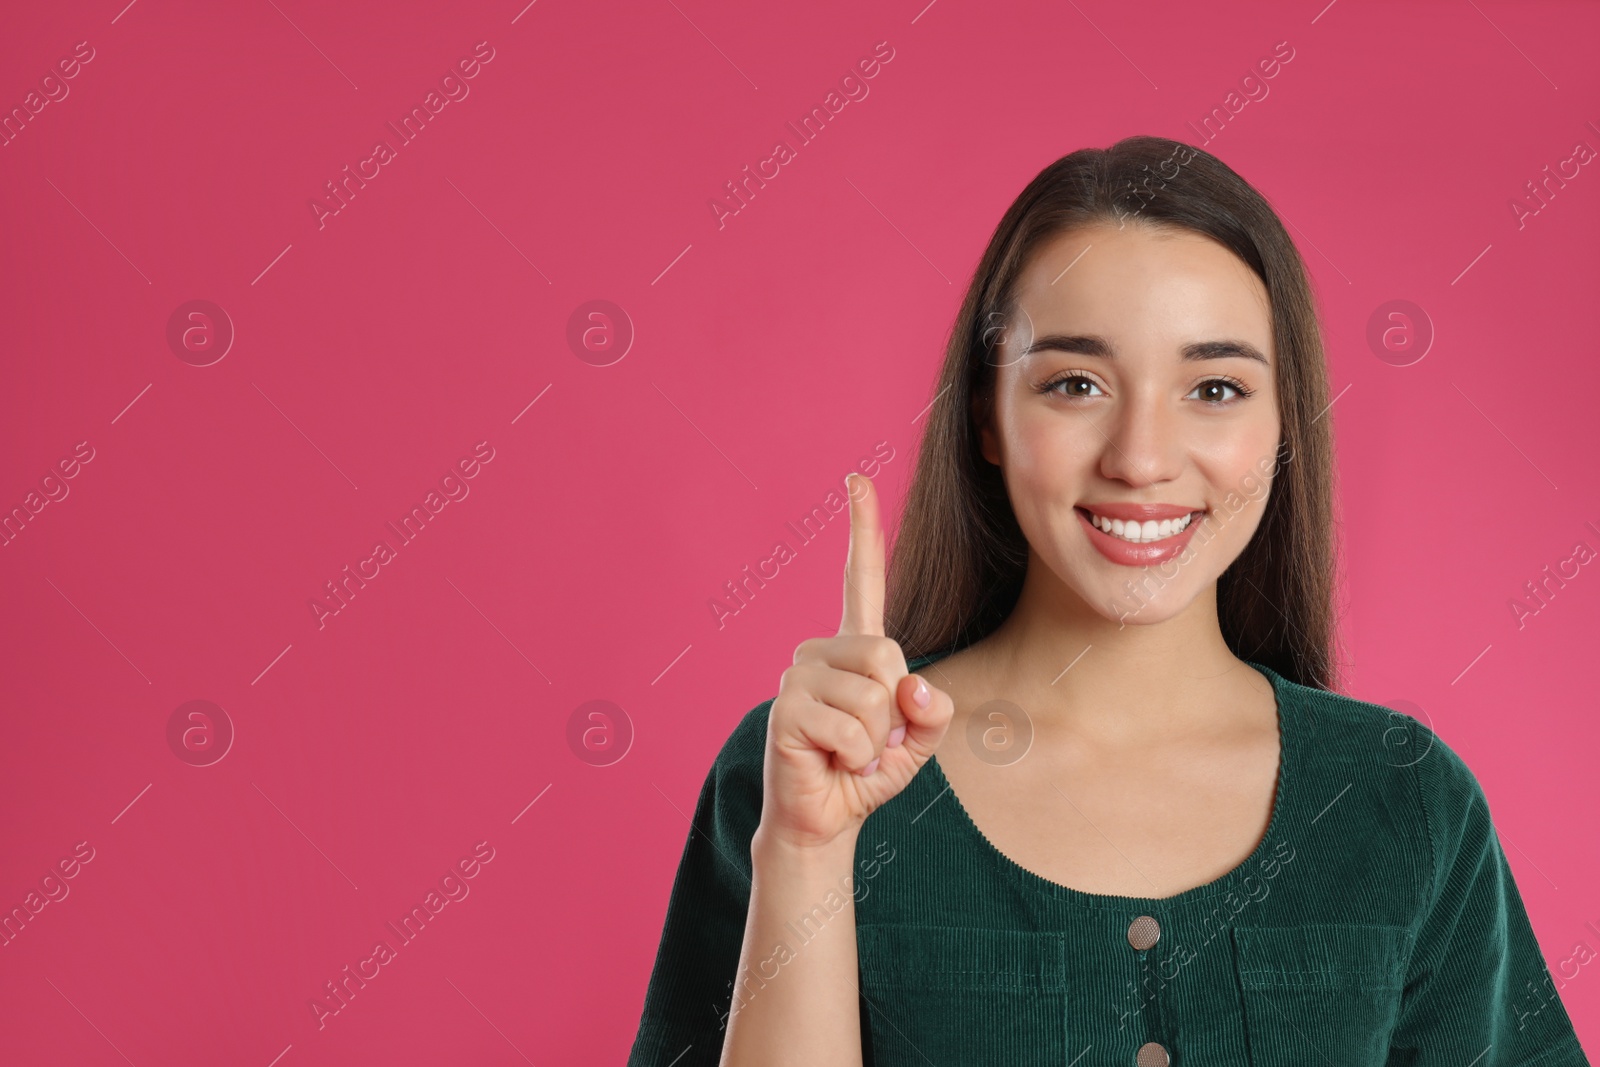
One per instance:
[(774, 849)]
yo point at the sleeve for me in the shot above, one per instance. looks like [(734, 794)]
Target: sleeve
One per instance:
[(691, 985), (1476, 988)]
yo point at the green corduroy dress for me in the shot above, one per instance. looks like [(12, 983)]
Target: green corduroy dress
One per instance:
[(1377, 923)]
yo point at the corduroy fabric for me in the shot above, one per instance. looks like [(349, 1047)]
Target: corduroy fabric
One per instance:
[(1377, 923)]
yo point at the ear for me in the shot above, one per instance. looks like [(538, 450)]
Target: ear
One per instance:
[(983, 420)]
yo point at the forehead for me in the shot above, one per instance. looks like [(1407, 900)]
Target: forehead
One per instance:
[(1139, 283)]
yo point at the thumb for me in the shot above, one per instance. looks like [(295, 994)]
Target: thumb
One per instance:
[(928, 711)]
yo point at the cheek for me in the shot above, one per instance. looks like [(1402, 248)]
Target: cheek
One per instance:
[(1043, 450), (1046, 464), (1239, 466)]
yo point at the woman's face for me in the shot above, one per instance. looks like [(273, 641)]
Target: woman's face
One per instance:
[(1135, 386)]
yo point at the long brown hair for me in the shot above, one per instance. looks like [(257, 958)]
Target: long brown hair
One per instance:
[(958, 561)]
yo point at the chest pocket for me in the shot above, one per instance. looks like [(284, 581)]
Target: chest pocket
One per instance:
[(1320, 993), (953, 996)]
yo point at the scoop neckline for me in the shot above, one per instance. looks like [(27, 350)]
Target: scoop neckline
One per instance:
[(1035, 882)]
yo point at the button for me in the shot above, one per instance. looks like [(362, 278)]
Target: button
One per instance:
[(1144, 932), (1151, 1054)]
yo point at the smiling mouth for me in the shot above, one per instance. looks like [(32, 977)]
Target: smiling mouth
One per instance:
[(1140, 533)]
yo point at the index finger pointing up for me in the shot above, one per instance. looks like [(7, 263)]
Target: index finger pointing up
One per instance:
[(864, 566)]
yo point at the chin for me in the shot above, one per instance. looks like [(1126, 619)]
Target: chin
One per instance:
[(1127, 611)]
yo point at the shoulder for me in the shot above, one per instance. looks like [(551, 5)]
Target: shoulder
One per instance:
[(1359, 732), (1454, 805), (1338, 737), (1413, 782)]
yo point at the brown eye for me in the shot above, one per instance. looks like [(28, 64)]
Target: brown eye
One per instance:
[(1214, 390), (1071, 385)]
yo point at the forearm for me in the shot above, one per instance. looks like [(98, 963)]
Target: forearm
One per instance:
[(795, 992)]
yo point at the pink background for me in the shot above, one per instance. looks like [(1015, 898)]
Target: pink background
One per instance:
[(771, 355)]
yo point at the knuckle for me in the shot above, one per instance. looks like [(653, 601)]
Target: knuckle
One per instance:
[(788, 682), (855, 747), (794, 690), (782, 713), (886, 657), (879, 701)]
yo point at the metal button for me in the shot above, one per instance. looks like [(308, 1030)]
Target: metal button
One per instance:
[(1144, 932), (1151, 1054)]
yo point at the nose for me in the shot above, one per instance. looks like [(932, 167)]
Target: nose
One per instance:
[(1142, 442)]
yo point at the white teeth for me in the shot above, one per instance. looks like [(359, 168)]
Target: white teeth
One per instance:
[(1141, 533)]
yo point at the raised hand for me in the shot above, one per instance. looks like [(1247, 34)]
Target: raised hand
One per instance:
[(850, 726)]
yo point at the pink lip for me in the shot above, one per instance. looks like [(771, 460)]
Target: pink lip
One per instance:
[(1127, 554)]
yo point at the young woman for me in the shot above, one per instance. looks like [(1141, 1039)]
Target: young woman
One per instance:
[(1114, 811)]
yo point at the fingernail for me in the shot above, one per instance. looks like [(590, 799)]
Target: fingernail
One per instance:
[(897, 735), (920, 694), (869, 768)]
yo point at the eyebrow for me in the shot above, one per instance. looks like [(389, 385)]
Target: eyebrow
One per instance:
[(1094, 345)]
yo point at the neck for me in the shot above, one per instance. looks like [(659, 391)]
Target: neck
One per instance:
[(1066, 663)]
